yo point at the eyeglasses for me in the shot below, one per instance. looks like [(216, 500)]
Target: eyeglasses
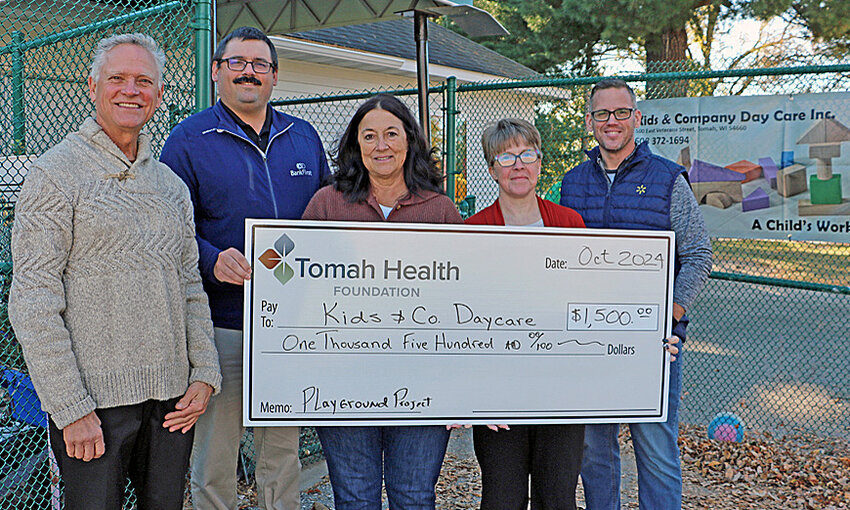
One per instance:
[(239, 64), (507, 159), (604, 115)]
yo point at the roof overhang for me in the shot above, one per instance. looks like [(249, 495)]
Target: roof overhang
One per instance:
[(276, 17), (290, 48), (279, 17), (317, 53)]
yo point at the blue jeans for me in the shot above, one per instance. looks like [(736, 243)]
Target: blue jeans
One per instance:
[(407, 458), (656, 452)]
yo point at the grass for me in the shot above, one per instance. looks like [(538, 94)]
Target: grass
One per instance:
[(816, 262)]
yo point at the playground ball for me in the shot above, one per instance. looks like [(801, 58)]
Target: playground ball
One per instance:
[(726, 427)]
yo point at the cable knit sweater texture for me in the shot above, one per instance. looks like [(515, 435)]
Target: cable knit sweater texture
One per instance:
[(106, 297)]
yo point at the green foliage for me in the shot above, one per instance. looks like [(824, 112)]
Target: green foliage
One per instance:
[(627, 22), (563, 138), (461, 153), (828, 21), (570, 36), (549, 36)]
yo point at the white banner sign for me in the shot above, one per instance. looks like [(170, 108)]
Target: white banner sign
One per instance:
[(382, 324), (770, 167)]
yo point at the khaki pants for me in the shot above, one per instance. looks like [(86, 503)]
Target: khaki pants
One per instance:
[(216, 447)]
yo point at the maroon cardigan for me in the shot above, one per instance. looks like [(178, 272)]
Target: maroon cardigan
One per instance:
[(554, 215), (421, 207)]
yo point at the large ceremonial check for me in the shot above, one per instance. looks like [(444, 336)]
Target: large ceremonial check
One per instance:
[(406, 324)]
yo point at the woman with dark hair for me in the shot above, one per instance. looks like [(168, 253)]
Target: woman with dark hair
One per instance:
[(385, 171)]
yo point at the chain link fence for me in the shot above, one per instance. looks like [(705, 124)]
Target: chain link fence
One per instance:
[(757, 330), (45, 54), (759, 327), (763, 332)]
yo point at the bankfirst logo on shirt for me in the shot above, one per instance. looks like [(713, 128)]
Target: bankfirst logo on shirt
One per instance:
[(300, 169)]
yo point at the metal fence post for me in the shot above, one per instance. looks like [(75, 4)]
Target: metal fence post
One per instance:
[(19, 120), (203, 57), (451, 135), (420, 34)]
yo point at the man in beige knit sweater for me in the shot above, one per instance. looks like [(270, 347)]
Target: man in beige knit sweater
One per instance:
[(106, 298)]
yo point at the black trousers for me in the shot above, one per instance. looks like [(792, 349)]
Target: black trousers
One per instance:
[(137, 447), (551, 454)]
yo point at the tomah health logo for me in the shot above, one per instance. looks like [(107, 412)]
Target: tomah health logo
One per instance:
[(273, 259)]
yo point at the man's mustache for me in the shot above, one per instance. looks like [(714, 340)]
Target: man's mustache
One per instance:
[(248, 79)]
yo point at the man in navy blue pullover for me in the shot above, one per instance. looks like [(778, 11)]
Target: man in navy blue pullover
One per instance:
[(624, 185), (241, 159)]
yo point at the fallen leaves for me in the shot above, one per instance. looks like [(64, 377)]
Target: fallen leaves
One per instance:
[(459, 486), (764, 472)]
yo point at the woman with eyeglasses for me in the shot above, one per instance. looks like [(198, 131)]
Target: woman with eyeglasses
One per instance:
[(551, 454)]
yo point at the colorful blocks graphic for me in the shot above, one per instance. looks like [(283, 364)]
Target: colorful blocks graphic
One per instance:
[(684, 158), (825, 151), (768, 169), (702, 171), (758, 199), (718, 199), (824, 139), (748, 169), (791, 181), (825, 132), (730, 188), (825, 192), (805, 207), (787, 159), (824, 169)]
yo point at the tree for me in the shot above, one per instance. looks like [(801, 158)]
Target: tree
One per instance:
[(658, 26), (572, 35), (546, 36), (769, 44), (828, 21)]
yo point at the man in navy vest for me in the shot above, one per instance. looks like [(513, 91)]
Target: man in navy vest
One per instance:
[(241, 159), (624, 185)]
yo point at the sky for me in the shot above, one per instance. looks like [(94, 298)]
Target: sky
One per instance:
[(739, 34)]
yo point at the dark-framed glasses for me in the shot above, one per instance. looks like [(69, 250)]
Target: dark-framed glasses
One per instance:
[(528, 157), (239, 64), (619, 114)]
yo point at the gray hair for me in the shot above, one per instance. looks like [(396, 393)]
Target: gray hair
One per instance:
[(498, 135), (105, 45), (610, 83)]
